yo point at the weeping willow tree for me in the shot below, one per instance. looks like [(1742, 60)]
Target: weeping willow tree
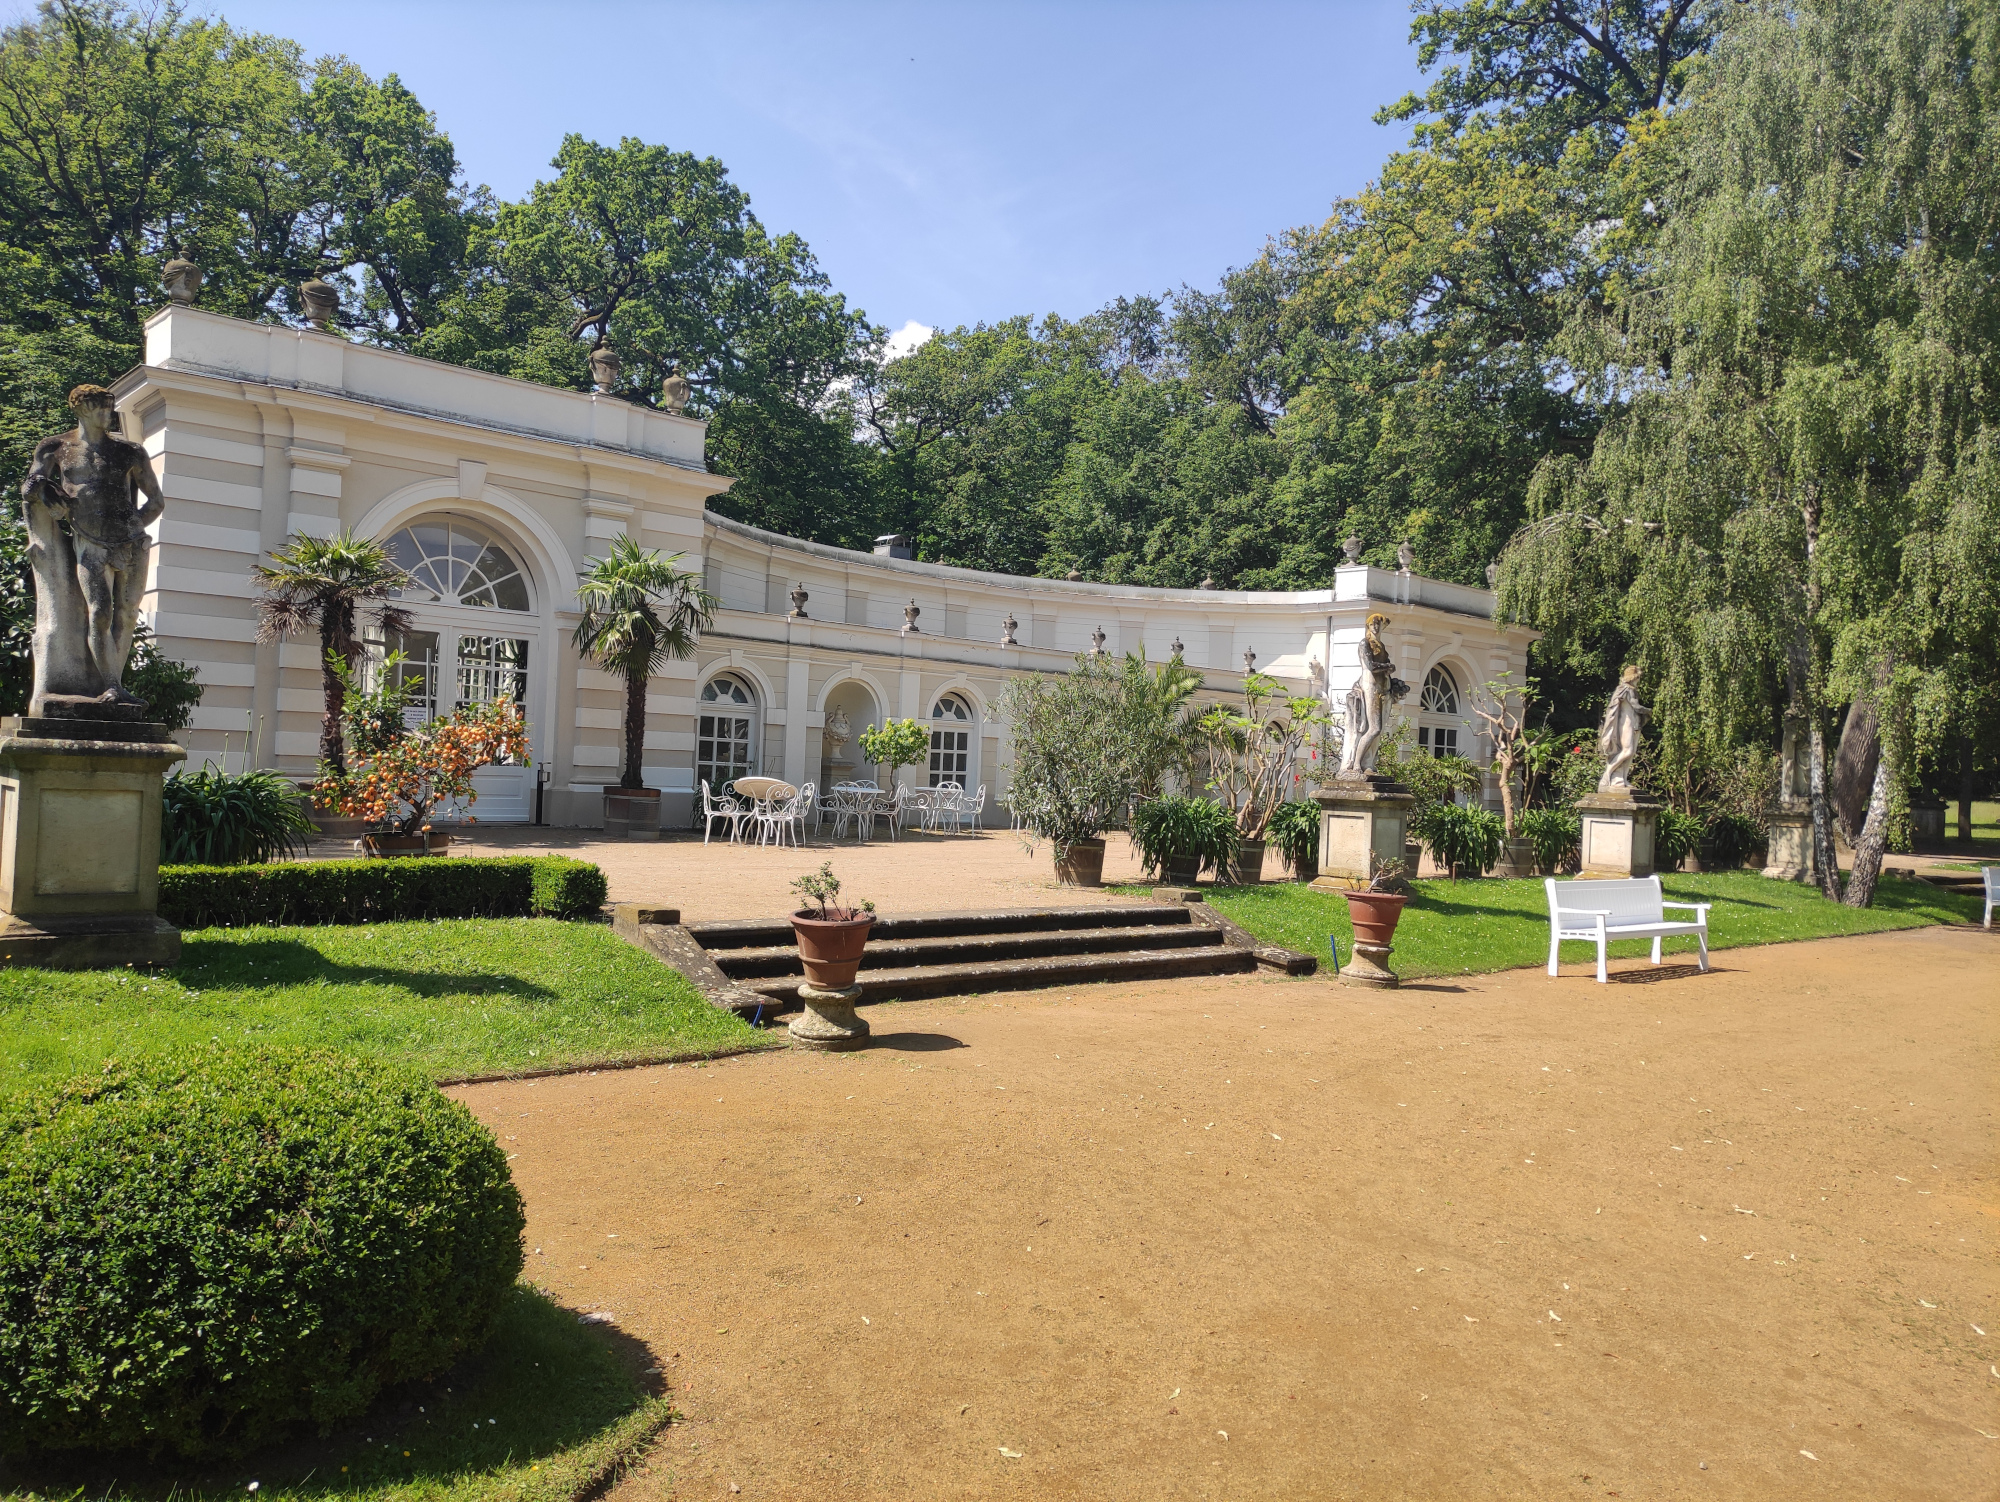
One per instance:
[(1797, 509)]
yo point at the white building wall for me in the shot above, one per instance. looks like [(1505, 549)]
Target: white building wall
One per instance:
[(259, 432)]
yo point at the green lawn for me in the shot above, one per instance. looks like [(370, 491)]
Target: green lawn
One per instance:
[(1472, 926), (540, 1415), (470, 997)]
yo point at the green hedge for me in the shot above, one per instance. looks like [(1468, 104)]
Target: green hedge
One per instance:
[(200, 1254), (376, 891)]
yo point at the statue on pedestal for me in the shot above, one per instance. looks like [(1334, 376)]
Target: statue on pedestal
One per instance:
[(89, 576), (1368, 701), (1618, 737)]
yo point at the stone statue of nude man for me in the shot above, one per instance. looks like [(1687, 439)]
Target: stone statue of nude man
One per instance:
[(88, 580)]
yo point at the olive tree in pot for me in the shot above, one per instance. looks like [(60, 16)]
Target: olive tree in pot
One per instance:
[(1071, 770), (1254, 761), (831, 938), (641, 610), (1177, 835)]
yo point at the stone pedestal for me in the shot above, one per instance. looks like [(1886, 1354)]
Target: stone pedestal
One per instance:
[(829, 1022), (1789, 856), (80, 842), (1364, 821), (1368, 965), (1618, 830)]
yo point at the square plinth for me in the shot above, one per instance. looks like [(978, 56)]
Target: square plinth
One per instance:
[(1790, 855), (1617, 834), (1363, 824)]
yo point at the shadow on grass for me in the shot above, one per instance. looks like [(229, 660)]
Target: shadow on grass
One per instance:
[(546, 1407), (279, 964)]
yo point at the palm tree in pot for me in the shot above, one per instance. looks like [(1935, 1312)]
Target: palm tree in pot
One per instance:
[(326, 583), (641, 610)]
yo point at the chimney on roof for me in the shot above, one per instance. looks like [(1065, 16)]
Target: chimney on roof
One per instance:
[(894, 545)]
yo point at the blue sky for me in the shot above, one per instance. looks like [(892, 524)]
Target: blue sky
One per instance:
[(948, 163)]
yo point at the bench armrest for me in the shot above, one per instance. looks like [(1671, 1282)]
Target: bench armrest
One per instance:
[(1583, 912), (1701, 907)]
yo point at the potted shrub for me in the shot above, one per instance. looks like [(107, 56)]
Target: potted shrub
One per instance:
[(398, 787), (1505, 712), (1556, 835), (1675, 837), (641, 610), (1294, 829), (830, 937), (1374, 908), (1177, 835), (1253, 758), (1464, 841), (1071, 768)]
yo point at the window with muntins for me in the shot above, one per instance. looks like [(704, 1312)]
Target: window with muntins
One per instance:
[(725, 745), (1435, 734), (451, 562), (951, 740)]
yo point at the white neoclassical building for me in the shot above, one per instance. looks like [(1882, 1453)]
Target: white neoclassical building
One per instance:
[(494, 492)]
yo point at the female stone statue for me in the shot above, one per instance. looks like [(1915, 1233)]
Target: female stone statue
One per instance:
[(1618, 737), (1368, 701)]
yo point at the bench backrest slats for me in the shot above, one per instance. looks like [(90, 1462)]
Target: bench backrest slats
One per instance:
[(1633, 901)]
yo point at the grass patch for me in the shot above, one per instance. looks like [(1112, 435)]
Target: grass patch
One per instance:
[(460, 998), (546, 1411), (1470, 927)]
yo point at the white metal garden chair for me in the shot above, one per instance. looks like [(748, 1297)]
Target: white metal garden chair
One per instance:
[(1992, 893), (889, 807), (976, 810), (943, 804), (725, 808), (782, 816)]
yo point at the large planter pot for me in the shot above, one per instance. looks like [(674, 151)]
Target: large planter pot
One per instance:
[(329, 823), (1517, 858), (1180, 872), (1248, 866), (830, 948), (1081, 864), (384, 846), (631, 813), (1374, 915), (1413, 857)]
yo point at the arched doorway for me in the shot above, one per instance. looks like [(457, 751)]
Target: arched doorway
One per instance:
[(725, 743), (470, 642), (1438, 719), (954, 741)]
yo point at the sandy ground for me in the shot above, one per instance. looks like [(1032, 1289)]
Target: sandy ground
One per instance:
[(918, 873), (1726, 1237)]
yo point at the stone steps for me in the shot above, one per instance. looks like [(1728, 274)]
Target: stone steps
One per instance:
[(753, 964)]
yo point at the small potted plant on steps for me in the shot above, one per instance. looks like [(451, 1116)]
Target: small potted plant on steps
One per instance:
[(1374, 910), (830, 938)]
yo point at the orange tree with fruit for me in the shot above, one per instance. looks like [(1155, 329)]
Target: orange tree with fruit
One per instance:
[(409, 774)]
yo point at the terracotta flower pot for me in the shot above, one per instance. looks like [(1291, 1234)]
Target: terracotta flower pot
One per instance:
[(1081, 864), (382, 846), (1374, 915), (830, 948)]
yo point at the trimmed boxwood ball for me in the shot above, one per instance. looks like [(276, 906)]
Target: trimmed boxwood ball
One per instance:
[(200, 1253)]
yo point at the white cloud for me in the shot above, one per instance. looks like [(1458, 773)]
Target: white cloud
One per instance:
[(910, 337)]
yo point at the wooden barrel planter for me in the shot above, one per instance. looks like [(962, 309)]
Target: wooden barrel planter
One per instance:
[(1081, 864)]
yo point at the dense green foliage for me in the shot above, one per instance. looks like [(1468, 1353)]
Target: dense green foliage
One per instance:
[(203, 1252), (1294, 829), (380, 891), (1177, 829), (1557, 837), (209, 818), (641, 611), (1465, 841), (478, 997)]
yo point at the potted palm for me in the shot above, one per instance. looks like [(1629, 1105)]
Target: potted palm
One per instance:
[(326, 584), (830, 937), (641, 610)]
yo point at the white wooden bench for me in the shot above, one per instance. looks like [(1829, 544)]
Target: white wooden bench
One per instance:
[(1596, 912)]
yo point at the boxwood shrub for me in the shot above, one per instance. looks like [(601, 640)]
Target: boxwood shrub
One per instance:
[(377, 891), (204, 1252)]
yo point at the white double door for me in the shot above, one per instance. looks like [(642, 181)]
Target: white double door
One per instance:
[(463, 662)]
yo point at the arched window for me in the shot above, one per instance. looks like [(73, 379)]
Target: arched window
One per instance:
[(1437, 715), (725, 745), (952, 720), (451, 562)]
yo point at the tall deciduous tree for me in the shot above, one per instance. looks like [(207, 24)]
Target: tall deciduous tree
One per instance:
[(1803, 496)]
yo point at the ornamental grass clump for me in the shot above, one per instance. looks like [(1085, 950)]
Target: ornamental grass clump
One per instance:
[(206, 1253), (1176, 830), (209, 818)]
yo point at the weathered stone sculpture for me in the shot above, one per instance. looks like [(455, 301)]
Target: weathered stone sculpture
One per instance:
[(1619, 822), (89, 573), (1618, 737), (322, 303), (674, 393), (80, 774), (1364, 814), (182, 280), (1789, 854), (605, 368), (1368, 701)]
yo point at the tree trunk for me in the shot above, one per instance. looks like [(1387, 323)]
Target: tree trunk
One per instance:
[(332, 747), (1506, 795), (1869, 844), (1825, 856), (635, 728), (1967, 786)]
